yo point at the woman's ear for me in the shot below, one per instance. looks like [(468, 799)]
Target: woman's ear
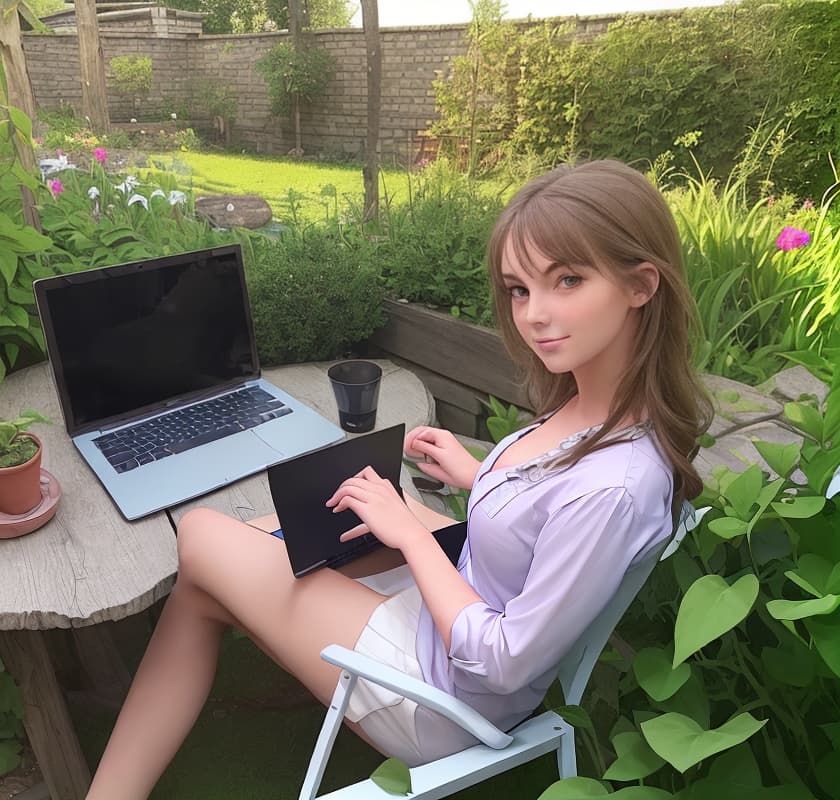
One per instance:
[(645, 284)]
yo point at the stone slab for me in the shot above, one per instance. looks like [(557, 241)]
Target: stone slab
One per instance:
[(737, 405), (794, 383), (736, 451)]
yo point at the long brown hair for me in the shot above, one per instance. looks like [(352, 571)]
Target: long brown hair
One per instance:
[(607, 215)]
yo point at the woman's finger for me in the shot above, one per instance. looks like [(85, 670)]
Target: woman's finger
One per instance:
[(354, 533)]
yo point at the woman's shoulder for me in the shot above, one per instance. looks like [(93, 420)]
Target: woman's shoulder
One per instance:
[(635, 466)]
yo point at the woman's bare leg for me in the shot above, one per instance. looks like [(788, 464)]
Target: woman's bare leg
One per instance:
[(229, 573)]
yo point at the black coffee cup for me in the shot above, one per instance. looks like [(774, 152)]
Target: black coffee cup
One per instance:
[(356, 387)]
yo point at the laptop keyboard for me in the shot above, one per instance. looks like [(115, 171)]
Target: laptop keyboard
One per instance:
[(163, 436)]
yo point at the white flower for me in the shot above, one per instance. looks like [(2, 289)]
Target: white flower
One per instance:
[(173, 115), (138, 198), (230, 207), (127, 185), (93, 193), (133, 119), (157, 193), (50, 165), (177, 197)]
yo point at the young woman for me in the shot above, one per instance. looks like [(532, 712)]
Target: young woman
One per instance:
[(592, 301)]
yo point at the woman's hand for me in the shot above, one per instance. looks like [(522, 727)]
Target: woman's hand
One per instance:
[(376, 502), (446, 459)]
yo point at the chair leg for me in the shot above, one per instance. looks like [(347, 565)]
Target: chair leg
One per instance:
[(566, 759), (326, 738)]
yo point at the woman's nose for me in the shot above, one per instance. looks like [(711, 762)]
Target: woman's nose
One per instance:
[(537, 308)]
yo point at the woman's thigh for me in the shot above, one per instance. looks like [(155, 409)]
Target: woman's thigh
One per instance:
[(292, 619)]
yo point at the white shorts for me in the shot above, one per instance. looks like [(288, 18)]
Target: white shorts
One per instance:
[(386, 717)]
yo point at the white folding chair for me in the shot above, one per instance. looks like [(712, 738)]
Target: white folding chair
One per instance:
[(498, 751)]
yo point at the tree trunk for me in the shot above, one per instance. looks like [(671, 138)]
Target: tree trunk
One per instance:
[(14, 63), (373, 46), (298, 140), (92, 67)]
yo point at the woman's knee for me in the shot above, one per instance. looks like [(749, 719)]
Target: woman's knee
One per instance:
[(195, 538)]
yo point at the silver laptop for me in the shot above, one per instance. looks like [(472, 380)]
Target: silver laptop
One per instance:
[(156, 368)]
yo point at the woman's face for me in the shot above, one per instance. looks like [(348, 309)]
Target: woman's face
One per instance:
[(573, 317)]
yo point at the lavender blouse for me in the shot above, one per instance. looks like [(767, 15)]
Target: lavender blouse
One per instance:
[(545, 549)]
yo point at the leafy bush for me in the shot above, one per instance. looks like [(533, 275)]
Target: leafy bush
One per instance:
[(433, 247), (289, 72), (312, 296), (737, 633), (770, 63), (757, 302), (131, 75)]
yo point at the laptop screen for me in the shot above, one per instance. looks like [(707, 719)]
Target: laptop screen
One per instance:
[(131, 337)]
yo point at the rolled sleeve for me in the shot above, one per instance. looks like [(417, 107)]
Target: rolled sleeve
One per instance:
[(580, 557)]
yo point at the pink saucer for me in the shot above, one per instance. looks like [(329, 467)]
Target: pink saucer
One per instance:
[(18, 525)]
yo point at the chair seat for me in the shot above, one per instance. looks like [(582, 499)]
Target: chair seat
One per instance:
[(443, 777)]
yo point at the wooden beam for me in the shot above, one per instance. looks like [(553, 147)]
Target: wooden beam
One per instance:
[(92, 67), (45, 715), (373, 47), (14, 62)]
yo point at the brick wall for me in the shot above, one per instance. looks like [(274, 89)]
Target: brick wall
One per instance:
[(411, 59)]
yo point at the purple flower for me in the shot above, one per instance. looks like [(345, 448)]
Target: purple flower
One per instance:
[(792, 238), (55, 187), (100, 154)]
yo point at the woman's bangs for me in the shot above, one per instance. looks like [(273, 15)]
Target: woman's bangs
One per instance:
[(554, 230)]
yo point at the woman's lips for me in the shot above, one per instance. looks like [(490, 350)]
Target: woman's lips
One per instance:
[(550, 344)]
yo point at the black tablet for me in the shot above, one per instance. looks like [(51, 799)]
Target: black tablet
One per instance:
[(301, 486)]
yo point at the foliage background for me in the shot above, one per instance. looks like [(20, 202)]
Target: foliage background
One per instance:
[(633, 91)]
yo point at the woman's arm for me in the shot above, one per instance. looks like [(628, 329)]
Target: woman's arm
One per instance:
[(375, 501)]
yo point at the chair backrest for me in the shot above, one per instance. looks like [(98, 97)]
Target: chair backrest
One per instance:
[(577, 665)]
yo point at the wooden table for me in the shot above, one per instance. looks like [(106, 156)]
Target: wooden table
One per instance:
[(89, 565)]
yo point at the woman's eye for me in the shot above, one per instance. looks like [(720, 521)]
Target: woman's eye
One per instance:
[(518, 291), (569, 281)]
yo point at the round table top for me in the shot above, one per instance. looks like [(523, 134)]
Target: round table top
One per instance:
[(88, 564)]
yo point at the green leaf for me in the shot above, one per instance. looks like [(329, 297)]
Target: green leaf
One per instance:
[(691, 700), (635, 758), (728, 527), (575, 716), (683, 743), (709, 609), (816, 575), (653, 671), (20, 121), (9, 758), (781, 458), (392, 776), (819, 467), (828, 773), (799, 507), (574, 789), (806, 418), (799, 609), (744, 490), (825, 632), (642, 793), (789, 666), (8, 265)]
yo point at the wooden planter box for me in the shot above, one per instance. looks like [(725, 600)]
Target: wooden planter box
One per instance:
[(460, 363)]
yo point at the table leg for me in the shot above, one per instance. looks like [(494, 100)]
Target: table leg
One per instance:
[(45, 715)]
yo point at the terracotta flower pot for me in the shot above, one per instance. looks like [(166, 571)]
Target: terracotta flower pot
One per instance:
[(20, 486)]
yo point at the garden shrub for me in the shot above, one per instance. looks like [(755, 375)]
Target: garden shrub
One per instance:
[(434, 247), (737, 633), (311, 295), (720, 71)]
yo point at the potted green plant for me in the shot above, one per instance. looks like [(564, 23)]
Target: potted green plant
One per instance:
[(20, 464)]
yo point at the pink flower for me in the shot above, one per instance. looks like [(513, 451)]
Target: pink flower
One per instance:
[(100, 154), (792, 238), (59, 152), (55, 187), (808, 205)]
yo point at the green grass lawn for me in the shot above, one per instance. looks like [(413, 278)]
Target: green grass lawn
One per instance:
[(273, 178)]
